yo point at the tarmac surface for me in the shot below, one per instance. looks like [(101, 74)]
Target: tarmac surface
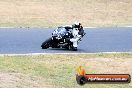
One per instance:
[(96, 40)]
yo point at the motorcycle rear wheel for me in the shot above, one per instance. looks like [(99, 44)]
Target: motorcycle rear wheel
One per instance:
[(74, 48)]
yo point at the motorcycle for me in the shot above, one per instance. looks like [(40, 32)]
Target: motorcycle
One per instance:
[(63, 37)]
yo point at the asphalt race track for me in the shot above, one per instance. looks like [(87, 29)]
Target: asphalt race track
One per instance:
[(25, 40)]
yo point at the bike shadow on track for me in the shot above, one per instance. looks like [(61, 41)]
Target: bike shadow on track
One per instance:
[(63, 50)]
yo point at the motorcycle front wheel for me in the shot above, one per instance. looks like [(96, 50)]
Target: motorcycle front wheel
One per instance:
[(46, 44)]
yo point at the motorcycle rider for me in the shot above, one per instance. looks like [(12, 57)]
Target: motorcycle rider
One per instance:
[(65, 37), (77, 32), (79, 27)]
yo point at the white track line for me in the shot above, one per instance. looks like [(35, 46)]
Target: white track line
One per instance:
[(90, 27), (36, 54), (55, 27), (127, 26)]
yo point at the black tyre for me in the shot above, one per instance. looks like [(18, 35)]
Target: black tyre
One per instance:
[(46, 44), (74, 48), (68, 47)]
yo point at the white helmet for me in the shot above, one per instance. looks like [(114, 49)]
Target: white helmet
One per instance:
[(76, 23)]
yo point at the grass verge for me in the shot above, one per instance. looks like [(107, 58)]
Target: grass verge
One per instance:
[(59, 70), (52, 13)]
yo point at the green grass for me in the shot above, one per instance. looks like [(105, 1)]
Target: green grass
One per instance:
[(60, 70)]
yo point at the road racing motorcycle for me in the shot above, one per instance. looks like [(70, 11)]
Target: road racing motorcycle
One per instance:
[(63, 37)]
